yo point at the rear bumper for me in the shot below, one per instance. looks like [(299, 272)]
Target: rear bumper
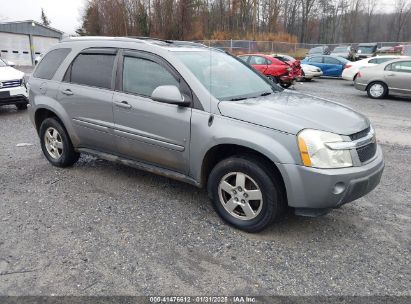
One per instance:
[(330, 188), (360, 86), (13, 95)]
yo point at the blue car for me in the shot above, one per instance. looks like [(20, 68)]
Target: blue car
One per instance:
[(330, 65)]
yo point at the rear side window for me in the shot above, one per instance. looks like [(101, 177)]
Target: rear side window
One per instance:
[(94, 70), (50, 63), (142, 76), (258, 60), (244, 58), (402, 66), (316, 59)]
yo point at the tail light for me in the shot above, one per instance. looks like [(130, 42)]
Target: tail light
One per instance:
[(347, 66), (358, 74)]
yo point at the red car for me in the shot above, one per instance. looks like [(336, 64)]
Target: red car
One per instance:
[(280, 72)]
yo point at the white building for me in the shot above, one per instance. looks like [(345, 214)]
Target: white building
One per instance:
[(22, 41)]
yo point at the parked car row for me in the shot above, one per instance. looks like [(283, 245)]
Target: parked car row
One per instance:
[(394, 76), (363, 50)]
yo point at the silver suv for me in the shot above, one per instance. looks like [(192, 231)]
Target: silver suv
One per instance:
[(202, 116)]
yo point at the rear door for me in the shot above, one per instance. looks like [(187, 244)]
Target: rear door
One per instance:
[(153, 132), (398, 76), (259, 63), (86, 94), (332, 67)]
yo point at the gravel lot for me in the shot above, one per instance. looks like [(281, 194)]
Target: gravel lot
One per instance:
[(105, 229)]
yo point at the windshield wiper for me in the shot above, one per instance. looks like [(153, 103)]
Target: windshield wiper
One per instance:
[(238, 98), (266, 93)]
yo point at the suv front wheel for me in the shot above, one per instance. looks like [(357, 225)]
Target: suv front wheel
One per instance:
[(56, 144), (245, 193)]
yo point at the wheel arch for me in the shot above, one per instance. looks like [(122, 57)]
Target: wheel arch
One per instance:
[(220, 152)]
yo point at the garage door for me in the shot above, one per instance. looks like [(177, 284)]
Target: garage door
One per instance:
[(42, 44), (16, 48)]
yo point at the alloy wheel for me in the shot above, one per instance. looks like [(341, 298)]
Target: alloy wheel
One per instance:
[(240, 195)]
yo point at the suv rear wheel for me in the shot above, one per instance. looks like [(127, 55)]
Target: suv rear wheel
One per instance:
[(245, 194), (56, 144)]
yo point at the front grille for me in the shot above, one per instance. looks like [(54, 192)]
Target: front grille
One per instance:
[(11, 84), (360, 134), (367, 152), (13, 100)]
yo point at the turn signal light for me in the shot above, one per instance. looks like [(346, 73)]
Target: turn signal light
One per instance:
[(305, 157)]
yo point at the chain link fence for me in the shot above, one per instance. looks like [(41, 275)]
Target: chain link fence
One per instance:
[(297, 50)]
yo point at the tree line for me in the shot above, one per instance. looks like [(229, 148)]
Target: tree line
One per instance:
[(307, 21)]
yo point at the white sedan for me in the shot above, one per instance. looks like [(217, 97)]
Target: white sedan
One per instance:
[(12, 87), (352, 69), (310, 71)]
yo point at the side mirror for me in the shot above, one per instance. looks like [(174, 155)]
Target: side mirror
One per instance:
[(170, 94), (10, 63)]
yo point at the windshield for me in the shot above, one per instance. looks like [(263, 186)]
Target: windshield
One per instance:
[(2, 63), (224, 76), (366, 49)]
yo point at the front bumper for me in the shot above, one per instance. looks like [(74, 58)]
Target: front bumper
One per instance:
[(13, 95), (330, 188)]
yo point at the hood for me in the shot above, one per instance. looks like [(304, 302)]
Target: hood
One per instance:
[(9, 73), (291, 112)]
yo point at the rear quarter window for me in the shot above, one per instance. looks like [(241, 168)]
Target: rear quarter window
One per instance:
[(50, 63)]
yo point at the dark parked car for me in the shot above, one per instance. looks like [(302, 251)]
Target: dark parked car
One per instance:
[(331, 66), (366, 50)]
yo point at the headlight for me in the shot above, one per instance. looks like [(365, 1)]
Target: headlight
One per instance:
[(315, 153)]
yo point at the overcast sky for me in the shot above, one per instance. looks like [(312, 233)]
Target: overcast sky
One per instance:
[(65, 14)]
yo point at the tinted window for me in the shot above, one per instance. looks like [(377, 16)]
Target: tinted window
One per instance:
[(402, 66), (330, 60), (93, 70), (382, 60), (258, 60), (316, 59), (142, 76), (374, 61), (50, 63)]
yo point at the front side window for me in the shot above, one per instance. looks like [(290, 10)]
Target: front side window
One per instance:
[(92, 70), (50, 63), (244, 58), (142, 76), (225, 77)]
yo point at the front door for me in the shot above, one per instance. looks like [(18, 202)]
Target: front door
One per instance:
[(153, 132)]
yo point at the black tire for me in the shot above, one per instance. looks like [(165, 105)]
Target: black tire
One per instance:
[(285, 85), (308, 79), (68, 155), (374, 95), (21, 106), (273, 198)]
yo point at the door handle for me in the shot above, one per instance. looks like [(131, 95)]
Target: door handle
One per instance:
[(123, 104), (391, 74), (67, 92)]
